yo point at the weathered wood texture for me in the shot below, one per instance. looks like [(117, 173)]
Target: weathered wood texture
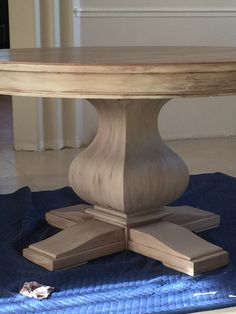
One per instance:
[(68, 216), (128, 168), (176, 247), (83, 239), (119, 72), (77, 244), (191, 218)]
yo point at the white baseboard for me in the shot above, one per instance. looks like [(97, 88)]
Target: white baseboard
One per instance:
[(52, 145), (73, 143), (27, 147), (195, 136)]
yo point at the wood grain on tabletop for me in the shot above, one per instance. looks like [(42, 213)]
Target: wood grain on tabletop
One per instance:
[(143, 56), (118, 72)]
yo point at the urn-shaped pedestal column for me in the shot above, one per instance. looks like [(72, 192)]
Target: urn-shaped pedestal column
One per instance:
[(128, 171)]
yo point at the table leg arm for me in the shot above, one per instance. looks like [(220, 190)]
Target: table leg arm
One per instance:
[(192, 218), (176, 247), (76, 245)]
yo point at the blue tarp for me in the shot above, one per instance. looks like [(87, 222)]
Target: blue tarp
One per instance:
[(121, 283)]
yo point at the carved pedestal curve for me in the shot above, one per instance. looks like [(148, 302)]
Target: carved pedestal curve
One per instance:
[(128, 168)]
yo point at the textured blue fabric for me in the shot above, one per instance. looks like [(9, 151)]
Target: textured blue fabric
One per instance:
[(121, 283), (12, 212)]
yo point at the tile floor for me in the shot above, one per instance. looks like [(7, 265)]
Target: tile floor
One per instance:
[(49, 169), (38, 170)]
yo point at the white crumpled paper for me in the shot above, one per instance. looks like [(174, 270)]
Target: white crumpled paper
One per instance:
[(36, 290)]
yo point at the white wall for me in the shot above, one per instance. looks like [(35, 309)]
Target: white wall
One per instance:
[(46, 123), (167, 22), (27, 126)]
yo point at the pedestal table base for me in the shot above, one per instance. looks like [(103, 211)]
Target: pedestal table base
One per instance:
[(129, 174), (83, 238)]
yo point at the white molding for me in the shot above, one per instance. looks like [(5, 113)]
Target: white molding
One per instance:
[(58, 142), (39, 105), (39, 101), (76, 27), (57, 28), (53, 144), (153, 12), (28, 147), (37, 23), (73, 143)]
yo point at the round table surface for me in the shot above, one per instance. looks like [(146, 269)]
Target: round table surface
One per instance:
[(134, 59), (119, 72)]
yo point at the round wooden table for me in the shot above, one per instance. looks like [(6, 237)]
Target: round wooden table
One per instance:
[(127, 172)]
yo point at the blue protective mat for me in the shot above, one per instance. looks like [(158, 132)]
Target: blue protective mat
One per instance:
[(121, 283)]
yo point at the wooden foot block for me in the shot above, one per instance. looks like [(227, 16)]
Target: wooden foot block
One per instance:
[(77, 244), (176, 247), (68, 216), (192, 218)]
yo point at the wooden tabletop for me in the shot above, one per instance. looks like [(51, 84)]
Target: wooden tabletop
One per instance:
[(119, 72), (119, 59)]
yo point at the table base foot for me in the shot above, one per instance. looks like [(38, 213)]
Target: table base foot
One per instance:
[(77, 244), (50, 263), (193, 219), (176, 247), (63, 218)]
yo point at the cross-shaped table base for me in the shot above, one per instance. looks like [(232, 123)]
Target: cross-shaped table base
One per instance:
[(168, 239)]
